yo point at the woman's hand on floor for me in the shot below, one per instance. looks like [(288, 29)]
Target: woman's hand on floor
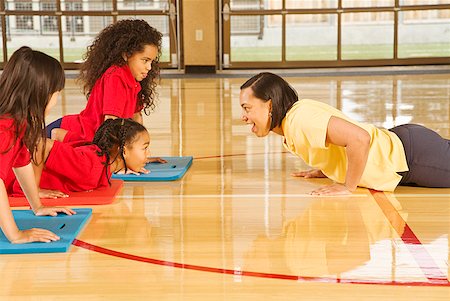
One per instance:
[(313, 173), (333, 189)]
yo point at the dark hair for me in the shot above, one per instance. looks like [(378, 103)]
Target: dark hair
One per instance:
[(125, 36), (113, 135), (268, 86), (28, 80)]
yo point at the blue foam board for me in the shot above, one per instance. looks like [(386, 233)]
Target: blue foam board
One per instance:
[(174, 169), (65, 226)]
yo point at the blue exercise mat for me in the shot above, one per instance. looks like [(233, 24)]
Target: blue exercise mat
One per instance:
[(174, 169), (65, 226)]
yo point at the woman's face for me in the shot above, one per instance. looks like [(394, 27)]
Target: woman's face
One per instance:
[(136, 153), (140, 63), (52, 102), (256, 112)]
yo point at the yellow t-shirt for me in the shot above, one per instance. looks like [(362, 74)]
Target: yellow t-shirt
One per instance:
[(305, 130)]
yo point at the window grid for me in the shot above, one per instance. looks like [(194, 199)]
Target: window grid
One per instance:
[(240, 18), (66, 20)]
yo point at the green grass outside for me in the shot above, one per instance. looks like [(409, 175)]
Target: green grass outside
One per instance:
[(324, 53), (297, 53)]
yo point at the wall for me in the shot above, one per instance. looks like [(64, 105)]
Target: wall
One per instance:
[(199, 32)]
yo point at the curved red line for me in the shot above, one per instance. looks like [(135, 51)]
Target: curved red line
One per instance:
[(109, 252), (436, 277), (424, 260)]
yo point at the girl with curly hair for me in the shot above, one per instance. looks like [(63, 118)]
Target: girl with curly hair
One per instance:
[(119, 77), (29, 87), (119, 145)]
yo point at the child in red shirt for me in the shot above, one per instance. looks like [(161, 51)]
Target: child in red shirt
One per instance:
[(118, 145), (119, 78), (29, 87)]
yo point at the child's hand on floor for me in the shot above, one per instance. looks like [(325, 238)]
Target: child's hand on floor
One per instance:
[(156, 160), (53, 211), (132, 172), (51, 194), (35, 234)]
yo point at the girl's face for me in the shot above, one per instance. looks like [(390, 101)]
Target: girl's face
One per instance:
[(52, 102), (140, 63), (136, 153), (255, 111)]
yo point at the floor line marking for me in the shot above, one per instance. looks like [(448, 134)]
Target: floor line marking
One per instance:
[(300, 195), (424, 260), (110, 252), (242, 154), (420, 195)]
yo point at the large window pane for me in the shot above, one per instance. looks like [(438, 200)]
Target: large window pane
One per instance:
[(367, 3), (86, 5), (161, 23), (311, 37), (79, 32), (255, 38), (298, 4), (424, 33), (367, 35), (255, 4), (29, 31)]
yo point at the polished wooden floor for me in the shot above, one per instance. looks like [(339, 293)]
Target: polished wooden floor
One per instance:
[(238, 227)]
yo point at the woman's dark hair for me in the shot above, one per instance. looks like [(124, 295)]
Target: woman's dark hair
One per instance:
[(113, 135), (268, 86), (123, 37), (27, 83)]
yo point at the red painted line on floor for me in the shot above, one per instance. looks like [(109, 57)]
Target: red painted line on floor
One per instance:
[(109, 252), (425, 261), (237, 155)]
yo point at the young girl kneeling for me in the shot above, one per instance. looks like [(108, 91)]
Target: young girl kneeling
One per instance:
[(119, 77), (29, 88)]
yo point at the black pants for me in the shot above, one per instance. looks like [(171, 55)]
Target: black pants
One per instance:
[(427, 154)]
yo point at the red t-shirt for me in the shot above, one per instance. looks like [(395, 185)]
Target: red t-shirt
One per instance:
[(114, 93), (72, 169), (17, 156)]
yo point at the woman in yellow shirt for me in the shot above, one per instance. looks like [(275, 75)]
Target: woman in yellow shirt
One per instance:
[(350, 153)]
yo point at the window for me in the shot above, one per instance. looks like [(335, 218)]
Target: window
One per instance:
[(49, 23), (24, 22), (74, 23)]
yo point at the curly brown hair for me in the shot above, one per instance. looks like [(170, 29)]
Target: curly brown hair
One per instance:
[(123, 37), (113, 135)]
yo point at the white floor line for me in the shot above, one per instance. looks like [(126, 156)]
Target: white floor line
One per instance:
[(422, 195), (204, 196)]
